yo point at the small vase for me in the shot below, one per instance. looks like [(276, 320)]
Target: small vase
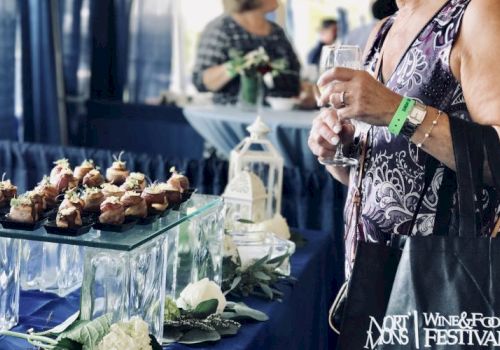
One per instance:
[(251, 94)]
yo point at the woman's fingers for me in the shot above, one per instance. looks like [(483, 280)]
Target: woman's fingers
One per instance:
[(330, 95), (336, 74)]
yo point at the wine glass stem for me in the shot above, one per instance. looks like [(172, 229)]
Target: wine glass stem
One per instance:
[(339, 154)]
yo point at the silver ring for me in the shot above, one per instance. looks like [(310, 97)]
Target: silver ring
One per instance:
[(342, 99)]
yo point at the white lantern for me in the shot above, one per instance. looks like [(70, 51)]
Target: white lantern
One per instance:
[(256, 154), (245, 198)]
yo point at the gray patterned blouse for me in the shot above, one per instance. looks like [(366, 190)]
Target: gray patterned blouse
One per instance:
[(224, 34)]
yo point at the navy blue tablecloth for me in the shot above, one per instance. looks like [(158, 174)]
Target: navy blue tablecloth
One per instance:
[(297, 323)]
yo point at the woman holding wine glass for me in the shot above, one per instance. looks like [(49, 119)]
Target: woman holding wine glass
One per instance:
[(424, 65)]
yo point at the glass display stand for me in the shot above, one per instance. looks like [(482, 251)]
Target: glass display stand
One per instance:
[(124, 273)]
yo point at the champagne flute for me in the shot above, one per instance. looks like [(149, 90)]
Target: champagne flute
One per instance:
[(346, 56)]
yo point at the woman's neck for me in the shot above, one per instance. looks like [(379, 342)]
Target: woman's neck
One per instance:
[(254, 22), (409, 4)]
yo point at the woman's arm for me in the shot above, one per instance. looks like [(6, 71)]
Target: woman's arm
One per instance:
[(478, 70), (210, 72), (216, 77)]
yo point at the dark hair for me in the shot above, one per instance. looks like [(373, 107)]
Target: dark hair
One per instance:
[(384, 8), (328, 22), (239, 6)]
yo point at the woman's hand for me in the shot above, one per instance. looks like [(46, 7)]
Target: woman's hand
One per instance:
[(327, 132), (356, 94)]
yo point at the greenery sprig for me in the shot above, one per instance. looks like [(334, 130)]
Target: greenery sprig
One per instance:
[(259, 279)]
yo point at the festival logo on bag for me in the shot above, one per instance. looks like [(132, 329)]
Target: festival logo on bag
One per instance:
[(428, 330)]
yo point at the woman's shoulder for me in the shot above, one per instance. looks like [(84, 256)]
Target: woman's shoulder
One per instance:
[(220, 23)]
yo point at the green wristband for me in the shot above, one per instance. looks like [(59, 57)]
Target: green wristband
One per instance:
[(401, 115)]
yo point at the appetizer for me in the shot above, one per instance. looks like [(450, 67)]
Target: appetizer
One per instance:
[(134, 204), (38, 201), (110, 190), (59, 166), (93, 179), (112, 212), (22, 210), (48, 191), (134, 182), (173, 194), (178, 181), (83, 169), (8, 190), (71, 199), (117, 173), (92, 198), (69, 218), (156, 198), (64, 180)]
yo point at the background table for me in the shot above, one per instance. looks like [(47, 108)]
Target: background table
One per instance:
[(224, 127), (299, 322)]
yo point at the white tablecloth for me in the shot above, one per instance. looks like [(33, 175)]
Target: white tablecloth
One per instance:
[(224, 127)]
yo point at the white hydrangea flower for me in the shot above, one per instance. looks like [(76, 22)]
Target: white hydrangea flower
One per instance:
[(201, 291), (130, 335), (230, 249)]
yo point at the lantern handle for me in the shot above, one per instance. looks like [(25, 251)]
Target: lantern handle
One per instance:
[(258, 129)]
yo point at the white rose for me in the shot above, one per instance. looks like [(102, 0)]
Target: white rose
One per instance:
[(276, 225), (230, 249), (198, 292), (130, 335)]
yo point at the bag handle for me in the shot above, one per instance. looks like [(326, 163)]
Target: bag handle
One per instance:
[(469, 160), (492, 148)]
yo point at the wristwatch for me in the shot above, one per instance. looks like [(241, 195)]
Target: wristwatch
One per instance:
[(415, 118)]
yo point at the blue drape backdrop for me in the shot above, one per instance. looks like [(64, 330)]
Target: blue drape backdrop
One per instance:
[(8, 24), (150, 49), (40, 117)]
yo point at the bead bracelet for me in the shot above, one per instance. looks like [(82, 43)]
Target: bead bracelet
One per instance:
[(428, 133)]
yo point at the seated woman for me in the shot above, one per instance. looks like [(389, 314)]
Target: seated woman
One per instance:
[(244, 28)]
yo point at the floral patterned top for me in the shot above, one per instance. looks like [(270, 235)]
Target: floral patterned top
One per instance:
[(394, 168)]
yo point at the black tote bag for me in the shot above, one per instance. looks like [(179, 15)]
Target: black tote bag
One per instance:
[(446, 292), (392, 297), (371, 280)]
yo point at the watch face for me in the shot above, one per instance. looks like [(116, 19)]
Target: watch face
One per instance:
[(418, 114)]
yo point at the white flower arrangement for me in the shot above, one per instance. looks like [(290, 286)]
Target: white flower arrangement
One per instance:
[(198, 292), (130, 335), (276, 225)]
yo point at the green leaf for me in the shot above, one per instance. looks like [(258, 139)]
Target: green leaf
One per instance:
[(171, 334), (278, 260), (88, 333), (63, 326), (231, 330), (234, 284), (241, 312), (205, 308), (267, 290), (67, 344), (260, 262), (244, 310), (154, 343), (196, 336), (245, 221), (262, 276)]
